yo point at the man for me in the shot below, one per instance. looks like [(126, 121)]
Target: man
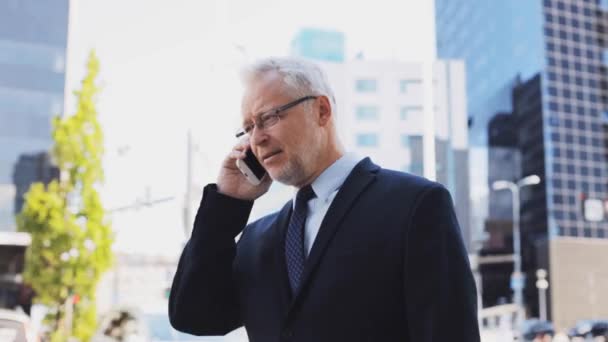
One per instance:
[(360, 254)]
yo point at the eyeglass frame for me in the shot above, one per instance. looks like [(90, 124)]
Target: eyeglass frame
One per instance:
[(277, 113)]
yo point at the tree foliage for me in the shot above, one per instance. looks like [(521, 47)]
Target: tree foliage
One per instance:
[(71, 237)]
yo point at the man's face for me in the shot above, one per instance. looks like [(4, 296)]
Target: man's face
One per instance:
[(289, 149)]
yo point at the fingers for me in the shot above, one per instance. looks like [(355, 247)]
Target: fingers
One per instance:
[(236, 154), (243, 144)]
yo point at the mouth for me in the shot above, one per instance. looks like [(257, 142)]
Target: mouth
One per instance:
[(269, 156)]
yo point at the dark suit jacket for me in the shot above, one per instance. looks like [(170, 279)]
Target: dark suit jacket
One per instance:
[(388, 264)]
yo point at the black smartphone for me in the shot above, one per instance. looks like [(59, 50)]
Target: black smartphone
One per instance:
[(251, 168)]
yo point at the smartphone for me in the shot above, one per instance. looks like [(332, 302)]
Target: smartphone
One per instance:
[(251, 168)]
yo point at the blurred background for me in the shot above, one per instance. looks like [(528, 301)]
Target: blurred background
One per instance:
[(503, 102)]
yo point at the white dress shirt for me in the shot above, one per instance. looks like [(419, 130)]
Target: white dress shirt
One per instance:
[(326, 187)]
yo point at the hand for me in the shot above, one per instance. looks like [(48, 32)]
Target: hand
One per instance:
[(233, 183)]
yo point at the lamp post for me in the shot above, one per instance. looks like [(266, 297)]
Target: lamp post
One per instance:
[(542, 284), (517, 281)]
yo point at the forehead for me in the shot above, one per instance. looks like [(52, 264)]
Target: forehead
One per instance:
[(263, 93)]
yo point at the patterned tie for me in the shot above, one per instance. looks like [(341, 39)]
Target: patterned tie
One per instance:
[(294, 240)]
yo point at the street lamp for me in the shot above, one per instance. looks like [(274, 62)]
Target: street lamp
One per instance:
[(517, 282)]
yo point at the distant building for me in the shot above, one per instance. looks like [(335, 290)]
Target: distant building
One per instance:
[(319, 44), (544, 64), (33, 42), (31, 168)]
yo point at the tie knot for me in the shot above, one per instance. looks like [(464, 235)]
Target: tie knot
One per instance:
[(304, 195)]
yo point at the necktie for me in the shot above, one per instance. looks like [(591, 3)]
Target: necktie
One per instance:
[(294, 240)]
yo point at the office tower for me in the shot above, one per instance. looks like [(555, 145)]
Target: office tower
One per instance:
[(537, 69), (33, 41)]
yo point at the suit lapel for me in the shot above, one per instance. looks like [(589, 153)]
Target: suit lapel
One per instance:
[(360, 177)]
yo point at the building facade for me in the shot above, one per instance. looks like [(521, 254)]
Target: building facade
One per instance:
[(538, 69), (33, 42)]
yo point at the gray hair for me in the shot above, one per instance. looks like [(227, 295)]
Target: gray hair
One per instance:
[(301, 77)]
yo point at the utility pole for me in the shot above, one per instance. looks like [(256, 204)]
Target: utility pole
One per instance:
[(188, 195)]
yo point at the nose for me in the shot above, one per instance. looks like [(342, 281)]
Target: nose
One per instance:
[(257, 136)]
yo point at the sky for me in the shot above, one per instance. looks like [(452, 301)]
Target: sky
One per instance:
[(169, 67)]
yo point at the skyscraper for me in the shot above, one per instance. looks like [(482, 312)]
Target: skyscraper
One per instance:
[(537, 69), (33, 41)]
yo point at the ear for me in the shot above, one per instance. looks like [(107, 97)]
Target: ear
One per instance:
[(324, 110)]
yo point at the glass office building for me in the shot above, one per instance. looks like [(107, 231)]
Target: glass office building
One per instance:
[(537, 95), (33, 40)]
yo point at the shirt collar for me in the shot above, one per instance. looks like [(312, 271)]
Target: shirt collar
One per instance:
[(333, 177)]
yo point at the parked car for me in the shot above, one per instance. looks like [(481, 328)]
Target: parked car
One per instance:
[(537, 330), (589, 328), (15, 326)]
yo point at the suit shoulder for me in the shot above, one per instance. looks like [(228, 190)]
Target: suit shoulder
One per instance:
[(406, 180)]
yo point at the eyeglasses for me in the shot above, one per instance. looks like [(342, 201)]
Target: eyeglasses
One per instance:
[(271, 117)]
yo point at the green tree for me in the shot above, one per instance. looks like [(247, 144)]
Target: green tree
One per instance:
[(71, 237)]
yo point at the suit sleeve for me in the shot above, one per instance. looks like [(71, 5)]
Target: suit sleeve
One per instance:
[(440, 292), (204, 298)]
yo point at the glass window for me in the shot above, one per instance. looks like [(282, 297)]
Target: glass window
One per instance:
[(573, 231), (552, 76), (579, 95), (571, 185), (405, 140), (587, 11), (570, 169), (367, 113), (597, 172), (601, 233), (367, 140), (404, 84), (366, 86), (563, 49), (582, 155), (553, 91), (555, 137), (569, 154), (582, 140), (575, 23), (573, 8), (566, 93), (568, 123), (590, 54), (549, 17), (561, 20), (549, 31), (576, 37), (406, 110), (553, 106), (557, 183), (557, 167), (564, 62), (568, 108), (587, 232), (588, 26), (558, 199), (585, 171)]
